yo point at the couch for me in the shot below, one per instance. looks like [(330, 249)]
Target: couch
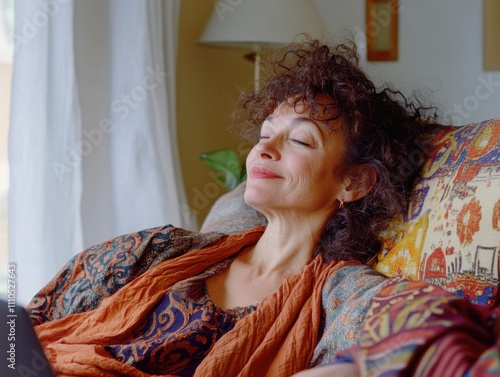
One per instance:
[(449, 232), (448, 235)]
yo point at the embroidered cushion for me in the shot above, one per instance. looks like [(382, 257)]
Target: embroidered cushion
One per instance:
[(449, 234)]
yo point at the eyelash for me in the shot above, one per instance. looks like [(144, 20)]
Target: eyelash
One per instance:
[(296, 141), (300, 143)]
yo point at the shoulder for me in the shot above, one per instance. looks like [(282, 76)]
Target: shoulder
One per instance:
[(350, 289), (346, 298), (351, 280)]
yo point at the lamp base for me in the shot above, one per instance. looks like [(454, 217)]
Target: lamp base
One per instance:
[(250, 57), (254, 57)]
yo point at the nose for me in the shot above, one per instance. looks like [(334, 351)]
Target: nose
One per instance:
[(268, 149)]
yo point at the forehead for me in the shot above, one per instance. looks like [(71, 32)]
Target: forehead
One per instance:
[(323, 111)]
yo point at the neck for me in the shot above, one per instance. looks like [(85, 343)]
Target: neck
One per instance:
[(285, 248)]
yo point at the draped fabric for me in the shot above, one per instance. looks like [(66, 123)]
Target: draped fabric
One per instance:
[(92, 142), (278, 338), (105, 297), (181, 329), (416, 329)]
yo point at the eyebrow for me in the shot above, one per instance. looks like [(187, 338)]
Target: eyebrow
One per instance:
[(322, 127)]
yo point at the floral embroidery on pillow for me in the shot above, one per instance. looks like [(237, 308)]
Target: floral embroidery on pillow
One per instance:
[(468, 221), (449, 234)]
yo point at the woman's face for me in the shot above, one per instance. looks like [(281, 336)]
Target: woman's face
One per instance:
[(294, 168)]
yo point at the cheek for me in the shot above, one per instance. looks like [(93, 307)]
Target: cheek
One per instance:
[(322, 177), (311, 170), (306, 176)]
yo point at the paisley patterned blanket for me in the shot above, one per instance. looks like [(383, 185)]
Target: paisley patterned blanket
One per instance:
[(101, 270), (417, 329)]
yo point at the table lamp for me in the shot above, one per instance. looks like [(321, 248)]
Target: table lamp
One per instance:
[(258, 24)]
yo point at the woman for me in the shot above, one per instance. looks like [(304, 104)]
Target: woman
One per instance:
[(325, 174)]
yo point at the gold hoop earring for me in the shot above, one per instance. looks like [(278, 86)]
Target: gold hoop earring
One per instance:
[(341, 205)]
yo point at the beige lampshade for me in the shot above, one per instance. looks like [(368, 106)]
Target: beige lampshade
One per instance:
[(255, 24)]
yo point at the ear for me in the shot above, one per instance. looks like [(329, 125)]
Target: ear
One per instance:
[(360, 181)]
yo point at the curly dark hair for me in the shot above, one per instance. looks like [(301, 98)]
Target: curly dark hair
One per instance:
[(381, 128)]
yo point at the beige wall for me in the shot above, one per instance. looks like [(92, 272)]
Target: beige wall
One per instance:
[(208, 82)]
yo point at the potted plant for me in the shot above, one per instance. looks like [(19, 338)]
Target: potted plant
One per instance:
[(226, 162)]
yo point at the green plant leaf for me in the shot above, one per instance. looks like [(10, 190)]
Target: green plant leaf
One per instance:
[(243, 175), (225, 161)]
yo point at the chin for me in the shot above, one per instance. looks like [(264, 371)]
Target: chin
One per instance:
[(256, 197)]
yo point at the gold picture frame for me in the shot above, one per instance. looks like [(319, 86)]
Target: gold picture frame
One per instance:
[(491, 31), (382, 29)]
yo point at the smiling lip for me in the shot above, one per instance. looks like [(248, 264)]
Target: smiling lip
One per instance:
[(260, 172)]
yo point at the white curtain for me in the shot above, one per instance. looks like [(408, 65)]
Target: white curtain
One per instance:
[(92, 142)]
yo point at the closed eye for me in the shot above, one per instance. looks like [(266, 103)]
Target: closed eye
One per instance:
[(300, 142)]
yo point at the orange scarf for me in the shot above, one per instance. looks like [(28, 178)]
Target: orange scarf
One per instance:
[(277, 339)]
